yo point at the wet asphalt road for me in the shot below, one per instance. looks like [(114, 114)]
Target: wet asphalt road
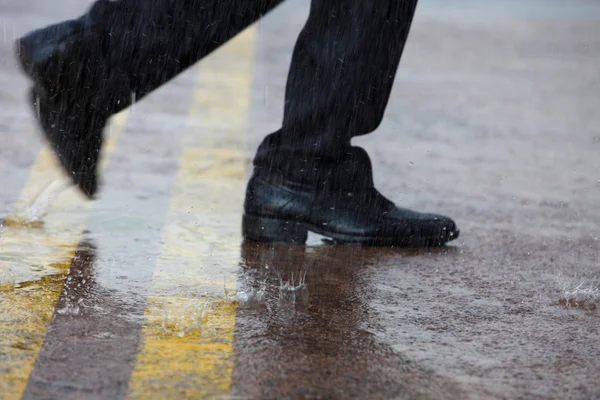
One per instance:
[(150, 293)]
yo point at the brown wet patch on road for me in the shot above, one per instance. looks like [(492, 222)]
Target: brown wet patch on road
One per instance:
[(91, 344), (310, 336)]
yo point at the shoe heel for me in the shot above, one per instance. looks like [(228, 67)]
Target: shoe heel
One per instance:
[(25, 57), (262, 229)]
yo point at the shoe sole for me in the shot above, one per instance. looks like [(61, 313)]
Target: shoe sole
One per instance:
[(272, 230)]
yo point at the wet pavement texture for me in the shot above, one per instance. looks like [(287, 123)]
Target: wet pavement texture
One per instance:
[(149, 292)]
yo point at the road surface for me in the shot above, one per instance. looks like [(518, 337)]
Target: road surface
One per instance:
[(149, 292)]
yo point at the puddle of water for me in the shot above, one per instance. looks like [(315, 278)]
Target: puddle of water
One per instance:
[(189, 316), (186, 319), (33, 243), (181, 317), (25, 308)]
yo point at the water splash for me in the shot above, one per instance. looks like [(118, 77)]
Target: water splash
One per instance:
[(292, 292), (186, 319), (582, 292), (30, 213), (251, 297), (69, 309)]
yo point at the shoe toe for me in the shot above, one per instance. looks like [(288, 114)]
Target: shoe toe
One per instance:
[(76, 146), (442, 227), (423, 228)]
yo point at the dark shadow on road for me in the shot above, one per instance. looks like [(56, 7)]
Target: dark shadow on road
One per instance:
[(91, 344)]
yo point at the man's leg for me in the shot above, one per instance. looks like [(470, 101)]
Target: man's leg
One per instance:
[(86, 69), (307, 175)]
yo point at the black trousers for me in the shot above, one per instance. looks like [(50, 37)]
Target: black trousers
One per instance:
[(342, 69)]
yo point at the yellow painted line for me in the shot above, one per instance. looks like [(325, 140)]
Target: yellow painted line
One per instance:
[(187, 340), (35, 253)]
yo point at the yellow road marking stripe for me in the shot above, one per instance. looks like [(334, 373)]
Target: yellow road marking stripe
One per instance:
[(34, 265), (187, 341)]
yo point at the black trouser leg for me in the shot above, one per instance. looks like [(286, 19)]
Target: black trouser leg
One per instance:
[(144, 44), (87, 69), (341, 75), (172, 35)]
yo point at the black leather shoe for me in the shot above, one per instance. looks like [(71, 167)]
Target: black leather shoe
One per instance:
[(75, 136), (69, 75), (87, 69), (336, 199)]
